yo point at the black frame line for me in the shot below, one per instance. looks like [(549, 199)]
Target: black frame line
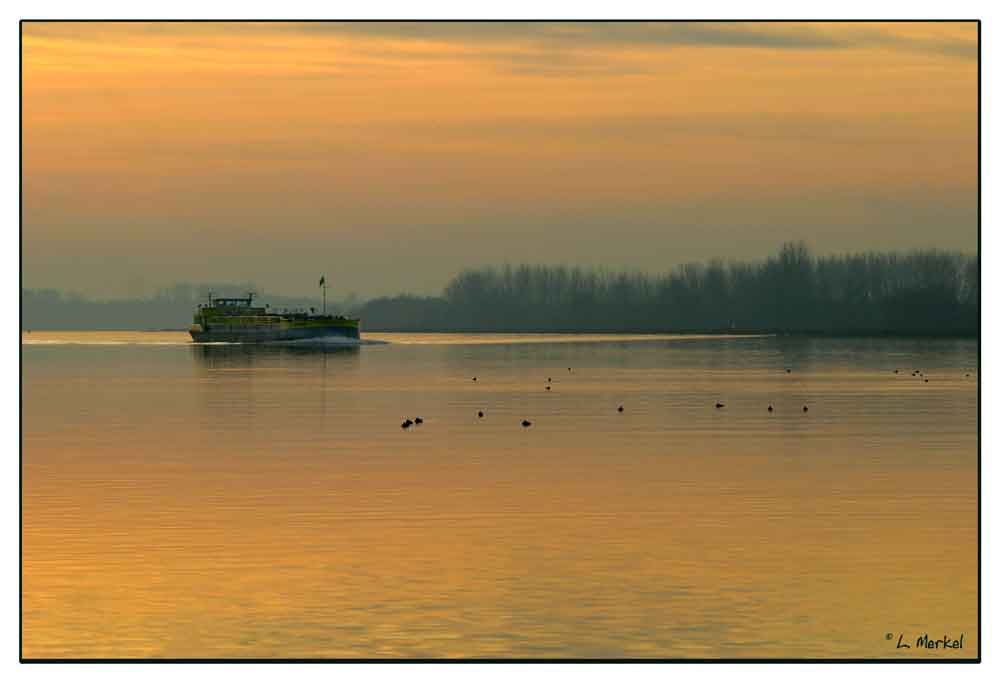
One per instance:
[(506, 660)]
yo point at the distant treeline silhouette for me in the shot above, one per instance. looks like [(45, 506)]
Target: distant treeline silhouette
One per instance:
[(169, 308), (917, 293)]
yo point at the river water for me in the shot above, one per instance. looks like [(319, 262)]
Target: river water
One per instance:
[(185, 500)]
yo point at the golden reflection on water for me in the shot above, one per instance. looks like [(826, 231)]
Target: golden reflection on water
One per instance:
[(219, 502)]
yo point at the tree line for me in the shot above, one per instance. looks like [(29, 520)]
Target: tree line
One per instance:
[(168, 308), (916, 293), (934, 293)]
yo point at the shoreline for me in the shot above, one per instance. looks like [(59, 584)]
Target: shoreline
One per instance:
[(730, 333)]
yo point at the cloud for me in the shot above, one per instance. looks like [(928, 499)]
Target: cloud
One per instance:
[(586, 33), (767, 35), (947, 45), (581, 34), (544, 50)]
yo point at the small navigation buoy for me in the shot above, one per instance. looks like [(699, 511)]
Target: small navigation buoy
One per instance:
[(770, 408), (719, 405), (406, 424), (480, 414), (805, 408), (620, 409), (525, 423), (418, 420)]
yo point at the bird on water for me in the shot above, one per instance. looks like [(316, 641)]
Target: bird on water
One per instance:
[(719, 405), (525, 423), (406, 424), (770, 408), (418, 420), (480, 414), (805, 408), (621, 409)]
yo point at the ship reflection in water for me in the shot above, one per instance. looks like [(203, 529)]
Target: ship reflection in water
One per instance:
[(216, 355), (230, 371)]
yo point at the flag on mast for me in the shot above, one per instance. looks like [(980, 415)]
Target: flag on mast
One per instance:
[(322, 280)]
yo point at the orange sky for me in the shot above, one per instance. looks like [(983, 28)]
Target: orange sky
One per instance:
[(390, 156)]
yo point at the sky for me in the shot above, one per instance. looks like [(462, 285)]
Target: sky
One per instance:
[(391, 156)]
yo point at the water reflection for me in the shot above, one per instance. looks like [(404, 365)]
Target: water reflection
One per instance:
[(237, 380), (263, 500), (238, 355)]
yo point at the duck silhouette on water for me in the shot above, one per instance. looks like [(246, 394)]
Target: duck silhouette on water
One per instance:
[(525, 423)]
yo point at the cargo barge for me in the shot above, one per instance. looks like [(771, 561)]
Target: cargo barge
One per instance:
[(237, 320)]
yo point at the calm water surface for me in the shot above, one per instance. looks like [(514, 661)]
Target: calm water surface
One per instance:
[(226, 501)]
